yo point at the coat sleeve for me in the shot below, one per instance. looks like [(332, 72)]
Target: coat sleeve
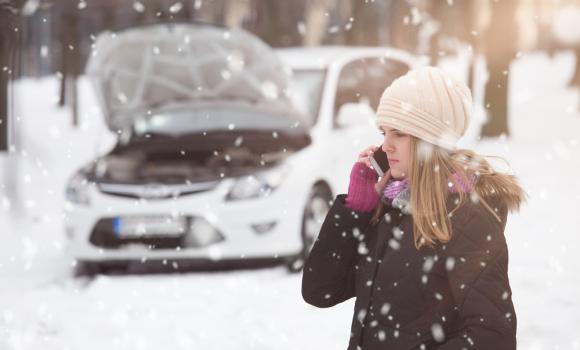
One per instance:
[(477, 271), (328, 276)]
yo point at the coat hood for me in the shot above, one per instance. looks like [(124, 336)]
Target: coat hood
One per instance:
[(143, 69)]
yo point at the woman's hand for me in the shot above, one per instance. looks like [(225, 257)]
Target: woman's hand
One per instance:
[(364, 157), (379, 186), (362, 189)]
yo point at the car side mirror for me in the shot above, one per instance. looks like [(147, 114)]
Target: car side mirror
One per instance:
[(351, 114)]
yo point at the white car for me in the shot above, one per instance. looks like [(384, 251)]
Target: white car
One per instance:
[(223, 152)]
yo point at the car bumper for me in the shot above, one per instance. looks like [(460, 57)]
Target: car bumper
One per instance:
[(234, 220)]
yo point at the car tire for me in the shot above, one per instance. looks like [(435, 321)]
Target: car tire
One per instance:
[(315, 210), (93, 268)]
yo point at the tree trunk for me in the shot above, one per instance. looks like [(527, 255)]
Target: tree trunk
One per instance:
[(8, 47), (236, 13), (501, 45), (496, 99), (316, 21), (367, 19)]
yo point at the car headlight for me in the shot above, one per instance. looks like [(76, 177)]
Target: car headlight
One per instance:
[(258, 185), (77, 190)]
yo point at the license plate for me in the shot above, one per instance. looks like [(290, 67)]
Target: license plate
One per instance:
[(148, 226)]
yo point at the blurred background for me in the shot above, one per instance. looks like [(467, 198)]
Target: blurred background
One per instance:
[(165, 166)]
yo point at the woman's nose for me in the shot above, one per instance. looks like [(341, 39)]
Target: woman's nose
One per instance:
[(387, 147)]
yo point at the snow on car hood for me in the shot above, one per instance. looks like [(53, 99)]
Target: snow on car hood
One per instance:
[(143, 69)]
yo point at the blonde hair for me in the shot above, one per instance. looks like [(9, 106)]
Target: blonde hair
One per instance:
[(430, 177)]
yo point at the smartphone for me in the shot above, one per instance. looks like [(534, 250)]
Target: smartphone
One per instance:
[(380, 162)]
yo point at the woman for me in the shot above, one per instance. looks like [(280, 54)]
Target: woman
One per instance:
[(422, 249)]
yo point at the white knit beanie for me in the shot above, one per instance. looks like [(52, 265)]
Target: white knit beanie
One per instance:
[(429, 104)]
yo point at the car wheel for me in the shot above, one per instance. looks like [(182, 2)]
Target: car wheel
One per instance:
[(315, 211)]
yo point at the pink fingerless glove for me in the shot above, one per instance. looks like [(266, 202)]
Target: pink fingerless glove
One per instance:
[(362, 195)]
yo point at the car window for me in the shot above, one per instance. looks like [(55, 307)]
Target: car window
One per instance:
[(350, 86), (381, 72), (365, 80), (305, 91)]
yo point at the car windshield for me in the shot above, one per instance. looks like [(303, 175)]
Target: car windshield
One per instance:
[(195, 120), (306, 90)]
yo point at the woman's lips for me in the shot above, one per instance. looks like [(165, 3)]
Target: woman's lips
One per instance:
[(393, 161)]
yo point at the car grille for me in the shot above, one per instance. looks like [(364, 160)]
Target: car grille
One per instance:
[(155, 190)]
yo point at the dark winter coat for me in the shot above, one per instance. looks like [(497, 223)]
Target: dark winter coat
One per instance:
[(453, 296)]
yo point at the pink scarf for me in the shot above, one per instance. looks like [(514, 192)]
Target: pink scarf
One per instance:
[(393, 188)]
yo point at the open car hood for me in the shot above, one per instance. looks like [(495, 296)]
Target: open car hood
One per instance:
[(143, 69)]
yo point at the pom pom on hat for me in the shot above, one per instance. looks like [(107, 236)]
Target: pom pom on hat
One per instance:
[(429, 104)]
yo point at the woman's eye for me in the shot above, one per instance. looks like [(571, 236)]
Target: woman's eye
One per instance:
[(395, 133)]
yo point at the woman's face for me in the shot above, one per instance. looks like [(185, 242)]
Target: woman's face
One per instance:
[(397, 146)]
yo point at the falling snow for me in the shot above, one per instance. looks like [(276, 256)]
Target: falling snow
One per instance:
[(40, 302)]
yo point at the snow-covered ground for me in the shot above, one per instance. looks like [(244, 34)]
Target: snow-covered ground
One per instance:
[(42, 307)]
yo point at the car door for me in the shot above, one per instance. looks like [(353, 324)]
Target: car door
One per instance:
[(345, 141), (380, 72), (361, 81)]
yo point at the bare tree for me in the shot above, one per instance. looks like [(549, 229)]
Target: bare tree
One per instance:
[(366, 18), (236, 13), (8, 49), (500, 40), (9, 45), (316, 21), (276, 21)]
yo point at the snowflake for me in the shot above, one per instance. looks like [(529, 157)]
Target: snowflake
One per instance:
[(394, 244), (362, 248), (138, 6), (175, 8), (450, 263), (428, 264), (361, 315), (385, 308), (437, 332)]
